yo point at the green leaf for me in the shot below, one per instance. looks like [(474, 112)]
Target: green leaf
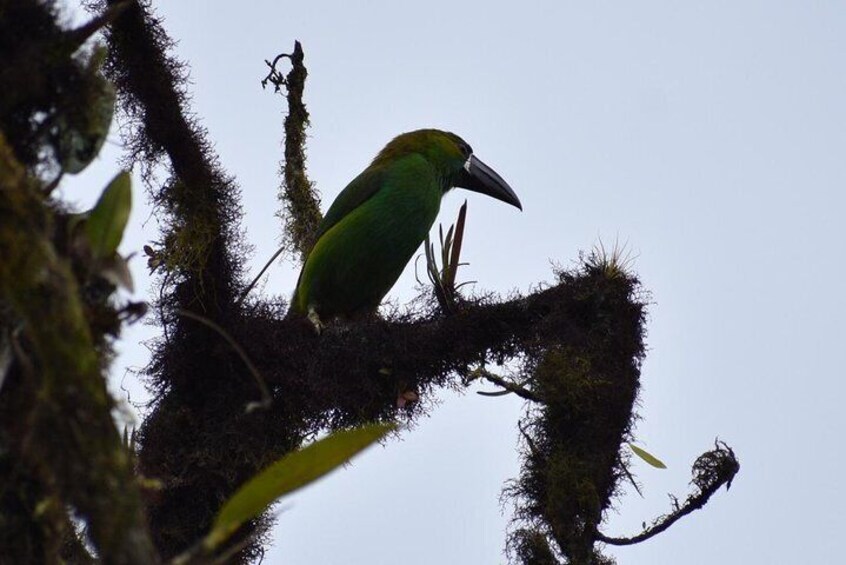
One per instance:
[(648, 457), (107, 220), (455, 255), (288, 474)]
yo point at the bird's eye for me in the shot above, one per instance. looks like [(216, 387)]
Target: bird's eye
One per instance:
[(466, 150)]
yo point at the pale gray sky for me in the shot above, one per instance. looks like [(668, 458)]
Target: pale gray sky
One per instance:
[(709, 136)]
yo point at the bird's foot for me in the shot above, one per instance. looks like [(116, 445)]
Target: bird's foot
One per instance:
[(314, 318)]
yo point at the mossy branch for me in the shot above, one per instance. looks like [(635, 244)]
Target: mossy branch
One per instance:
[(711, 470), (200, 258), (71, 439), (203, 241), (345, 370), (298, 195)]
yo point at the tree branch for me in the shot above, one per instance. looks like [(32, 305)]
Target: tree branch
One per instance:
[(202, 243), (297, 194), (506, 384), (72, 440), (711, 471)]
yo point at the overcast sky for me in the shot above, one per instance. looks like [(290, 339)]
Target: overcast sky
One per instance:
[(708, 136)]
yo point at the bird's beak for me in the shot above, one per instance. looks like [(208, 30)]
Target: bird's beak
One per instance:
[(478, 177)]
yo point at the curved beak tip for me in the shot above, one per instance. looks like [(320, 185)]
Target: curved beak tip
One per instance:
[(483, 179)]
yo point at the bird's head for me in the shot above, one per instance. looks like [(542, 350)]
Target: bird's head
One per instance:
[(453, 158)]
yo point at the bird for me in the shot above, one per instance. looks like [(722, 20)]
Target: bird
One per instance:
[(375, 225)]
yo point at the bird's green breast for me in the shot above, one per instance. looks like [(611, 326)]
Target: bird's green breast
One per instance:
[(357, 260)]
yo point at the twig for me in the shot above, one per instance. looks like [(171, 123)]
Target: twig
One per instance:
[(631, 479), (273, 76), (711, 470), (81, 34), (529, 441), (258, 276), (506, 384)]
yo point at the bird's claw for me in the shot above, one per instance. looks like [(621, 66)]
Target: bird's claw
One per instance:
[(314, 318)]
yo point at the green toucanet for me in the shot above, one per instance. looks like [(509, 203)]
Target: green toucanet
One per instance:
[(378, 221)]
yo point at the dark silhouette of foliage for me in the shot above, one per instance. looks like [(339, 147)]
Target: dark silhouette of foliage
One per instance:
[(59, 448), (223, 353)]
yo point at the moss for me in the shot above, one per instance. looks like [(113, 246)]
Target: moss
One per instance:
[(588, 382), (297, 195), (56, 392), (531, 547)]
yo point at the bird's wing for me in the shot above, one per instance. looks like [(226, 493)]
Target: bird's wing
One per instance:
[(358, 191)]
